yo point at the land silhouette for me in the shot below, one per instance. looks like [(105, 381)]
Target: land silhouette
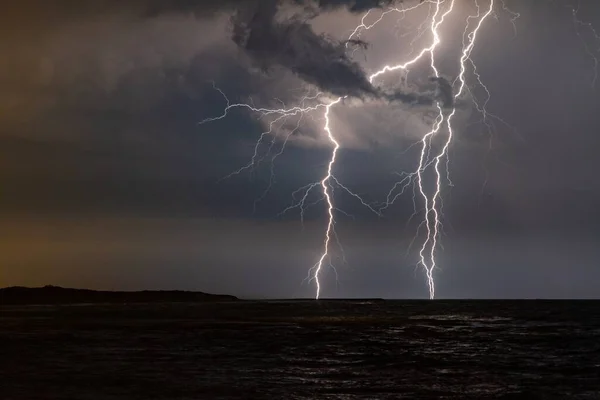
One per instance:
[(18, 295)]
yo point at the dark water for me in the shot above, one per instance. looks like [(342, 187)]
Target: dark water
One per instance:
[(303, 350)]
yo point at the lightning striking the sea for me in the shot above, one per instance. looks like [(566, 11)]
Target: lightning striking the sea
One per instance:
[(428, 262), (326, 183), (328, 196), (434, 145), (432, 201)]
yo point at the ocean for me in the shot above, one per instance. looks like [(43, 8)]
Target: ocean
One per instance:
[(322, 349)]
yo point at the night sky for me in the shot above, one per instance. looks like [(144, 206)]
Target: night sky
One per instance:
[(108, 181)]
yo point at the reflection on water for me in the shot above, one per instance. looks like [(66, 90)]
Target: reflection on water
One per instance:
[(303, 350)]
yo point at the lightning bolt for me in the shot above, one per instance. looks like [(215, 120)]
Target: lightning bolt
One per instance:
[(365, 27), (430, 209), (327, 183), (328, 197), (432, 201), (436, 197)]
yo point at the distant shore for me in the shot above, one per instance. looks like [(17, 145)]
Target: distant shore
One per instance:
[(18, 295)]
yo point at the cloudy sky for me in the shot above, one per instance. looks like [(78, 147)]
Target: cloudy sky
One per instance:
[(108, 181)]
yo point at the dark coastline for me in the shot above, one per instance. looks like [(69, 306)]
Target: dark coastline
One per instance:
[(49, 295)]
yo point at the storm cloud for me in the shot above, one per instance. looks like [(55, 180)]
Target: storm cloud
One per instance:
[(293, 44), (317, 59)]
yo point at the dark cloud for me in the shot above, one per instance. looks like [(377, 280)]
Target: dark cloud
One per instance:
[(317, 59), (310, 6), (353, 6), (358, 43), (443, 94), (444, 91), (294, 45), (46, 14), (411, 98), (93, 48)]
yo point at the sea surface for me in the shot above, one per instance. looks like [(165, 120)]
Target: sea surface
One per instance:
[(303, 350)]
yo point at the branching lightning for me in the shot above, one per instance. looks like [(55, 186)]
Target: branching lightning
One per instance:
[(434, 145), (327, 183), (430, 206)]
